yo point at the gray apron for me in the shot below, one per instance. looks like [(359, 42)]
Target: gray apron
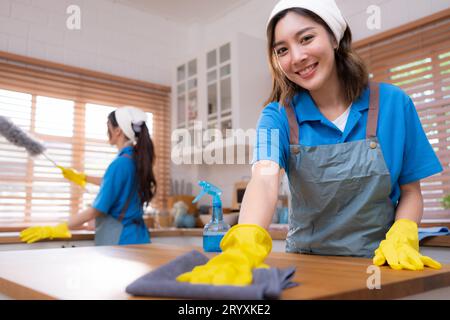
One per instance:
[(340, 193), (109, 229)]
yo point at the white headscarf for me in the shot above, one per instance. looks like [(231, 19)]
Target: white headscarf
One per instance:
[(326, 9), (130, 120)]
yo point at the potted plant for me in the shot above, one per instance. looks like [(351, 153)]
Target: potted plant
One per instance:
[(446, 202)]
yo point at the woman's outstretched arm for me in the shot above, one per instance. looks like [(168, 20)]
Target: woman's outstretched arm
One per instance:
[(261, 195)]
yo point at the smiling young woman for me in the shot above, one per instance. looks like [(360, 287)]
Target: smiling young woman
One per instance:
[(329, 61), (354, 153)]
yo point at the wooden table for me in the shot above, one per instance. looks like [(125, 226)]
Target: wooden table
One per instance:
[(104, 272)]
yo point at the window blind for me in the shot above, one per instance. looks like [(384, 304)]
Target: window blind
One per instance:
[(66, 108), (416, 58)]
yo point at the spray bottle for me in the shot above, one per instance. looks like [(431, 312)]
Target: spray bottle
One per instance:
[(213, 231)]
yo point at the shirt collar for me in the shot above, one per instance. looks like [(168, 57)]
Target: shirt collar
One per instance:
[(127, 150), (306, 109), (362, 103)]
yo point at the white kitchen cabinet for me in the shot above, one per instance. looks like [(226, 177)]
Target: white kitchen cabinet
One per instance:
[(186, 94), (250, 80), (218, 82), (237, 83), (232, 81)]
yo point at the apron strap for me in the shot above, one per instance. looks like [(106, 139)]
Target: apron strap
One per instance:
[(125, 208), (372, 120), (293, 125), (372, 117), (127, 204)]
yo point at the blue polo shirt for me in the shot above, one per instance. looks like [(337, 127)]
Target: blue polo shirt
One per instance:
[(405, 147), (118, 183)]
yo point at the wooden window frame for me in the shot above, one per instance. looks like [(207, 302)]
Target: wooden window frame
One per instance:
[(411, 41), (45, 78)]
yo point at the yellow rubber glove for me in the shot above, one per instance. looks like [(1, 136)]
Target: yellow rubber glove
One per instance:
[(401, 248), (74, 176), (37, 233), (244, 247)]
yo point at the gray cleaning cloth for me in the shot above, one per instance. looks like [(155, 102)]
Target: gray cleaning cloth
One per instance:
[(267, 283), (432, 232)]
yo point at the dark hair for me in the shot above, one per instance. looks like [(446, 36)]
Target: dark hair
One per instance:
[(351, 69), (144, 158)]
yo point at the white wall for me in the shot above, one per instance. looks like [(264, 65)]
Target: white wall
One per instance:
[(394, 13), (251, 18), (113, 38), (123, 41)]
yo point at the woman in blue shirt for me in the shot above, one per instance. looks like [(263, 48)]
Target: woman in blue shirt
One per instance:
[(128, 185), (354, 153)]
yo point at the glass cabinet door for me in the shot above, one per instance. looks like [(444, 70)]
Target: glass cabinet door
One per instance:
[(211, 59), (192, 106), (218, 64), (192, 92), (181, 73), (181, 111), (225, 53), (224, 126), (187, 102), (212, 101), (225, 95)]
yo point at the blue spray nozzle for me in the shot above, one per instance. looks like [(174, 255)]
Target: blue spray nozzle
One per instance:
[(214, 231), (212, 190)]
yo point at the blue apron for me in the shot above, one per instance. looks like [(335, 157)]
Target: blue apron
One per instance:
[(340, 193), (109, 230)]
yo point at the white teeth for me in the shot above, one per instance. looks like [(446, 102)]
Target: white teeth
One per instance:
[(307, 69)]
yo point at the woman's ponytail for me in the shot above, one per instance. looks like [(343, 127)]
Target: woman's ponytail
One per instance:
[(144, 157)]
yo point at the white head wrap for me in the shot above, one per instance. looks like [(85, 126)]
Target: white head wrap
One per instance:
[(326, 9), (130, 120)]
